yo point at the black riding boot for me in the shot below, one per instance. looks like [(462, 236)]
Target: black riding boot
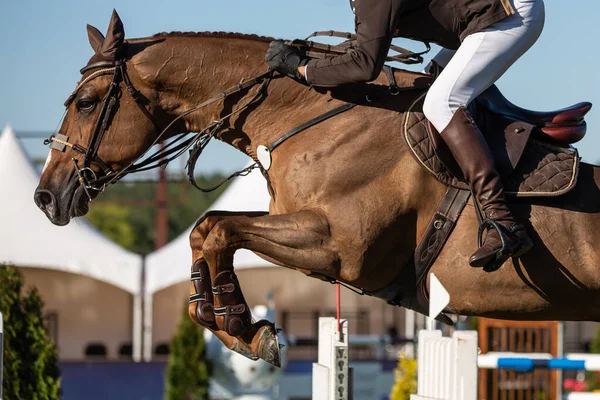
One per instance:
[(504, 238)]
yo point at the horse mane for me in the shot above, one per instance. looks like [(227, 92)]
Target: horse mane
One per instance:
[(225, 35)]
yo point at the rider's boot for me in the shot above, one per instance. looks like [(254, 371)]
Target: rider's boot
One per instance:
[(504, 237)]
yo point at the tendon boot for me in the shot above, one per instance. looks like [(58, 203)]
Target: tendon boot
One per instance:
[(504, 237)]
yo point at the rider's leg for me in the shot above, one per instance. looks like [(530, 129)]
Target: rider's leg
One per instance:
[(475, 159), (491, 95), (482, 59)]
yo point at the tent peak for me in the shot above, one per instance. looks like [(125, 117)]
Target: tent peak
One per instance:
[(8, 130)]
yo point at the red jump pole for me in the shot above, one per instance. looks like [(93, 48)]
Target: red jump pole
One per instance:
[(338, 304)]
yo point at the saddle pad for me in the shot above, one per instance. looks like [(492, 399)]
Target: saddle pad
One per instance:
[(544, 170)]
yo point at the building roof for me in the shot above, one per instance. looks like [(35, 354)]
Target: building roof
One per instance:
[(29, 239), (172, 263)]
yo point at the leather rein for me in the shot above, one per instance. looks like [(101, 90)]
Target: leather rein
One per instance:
[(88, 178), (402, 55)]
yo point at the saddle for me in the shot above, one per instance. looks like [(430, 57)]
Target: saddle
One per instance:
[(531, 162), (533, 154)]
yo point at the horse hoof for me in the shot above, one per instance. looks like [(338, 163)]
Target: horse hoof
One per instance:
[(268, 345)]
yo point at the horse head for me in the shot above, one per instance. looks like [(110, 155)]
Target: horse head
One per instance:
[(109, 122)]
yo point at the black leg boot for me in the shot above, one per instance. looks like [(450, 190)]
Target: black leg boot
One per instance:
[(504, 237)]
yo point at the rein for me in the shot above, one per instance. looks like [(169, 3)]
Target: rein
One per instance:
[(198, 141), (325, 50), (86, 175)]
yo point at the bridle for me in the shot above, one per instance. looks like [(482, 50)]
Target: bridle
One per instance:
[(88, 178)]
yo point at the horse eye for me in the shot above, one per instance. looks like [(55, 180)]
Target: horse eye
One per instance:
[(85, 105)]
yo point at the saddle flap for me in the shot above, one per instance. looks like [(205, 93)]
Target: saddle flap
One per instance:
[(508, 146)]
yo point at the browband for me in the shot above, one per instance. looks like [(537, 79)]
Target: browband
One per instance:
[(100, 64)]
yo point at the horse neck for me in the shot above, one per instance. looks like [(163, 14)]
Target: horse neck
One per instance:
[(186, 70)]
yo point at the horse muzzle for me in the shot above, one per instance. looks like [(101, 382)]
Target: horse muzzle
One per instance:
[(69, 203), (46, 201)]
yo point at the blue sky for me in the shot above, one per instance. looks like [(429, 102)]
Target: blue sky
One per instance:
[(44, 43)]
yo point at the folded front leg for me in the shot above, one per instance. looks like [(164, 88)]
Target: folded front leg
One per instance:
[(201, 308), (301, 240)]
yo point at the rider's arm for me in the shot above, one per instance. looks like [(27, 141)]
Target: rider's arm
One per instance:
[(375, 20)]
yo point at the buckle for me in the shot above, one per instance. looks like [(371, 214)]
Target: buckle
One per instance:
[(222, 289)]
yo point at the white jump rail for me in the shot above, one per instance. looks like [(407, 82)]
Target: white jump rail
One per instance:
[(581, 396)]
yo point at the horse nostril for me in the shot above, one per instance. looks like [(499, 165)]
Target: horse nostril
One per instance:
[(43, 199)]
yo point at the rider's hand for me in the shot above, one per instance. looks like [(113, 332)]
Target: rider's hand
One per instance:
[(286, 59)]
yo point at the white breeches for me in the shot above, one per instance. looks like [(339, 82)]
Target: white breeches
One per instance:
[(481, 60)]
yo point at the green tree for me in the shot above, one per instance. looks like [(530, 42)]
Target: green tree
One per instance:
[(30, 358), (115, 222), (592, 378), (595, 343), (406, 379), (473, 323), (188, 371)]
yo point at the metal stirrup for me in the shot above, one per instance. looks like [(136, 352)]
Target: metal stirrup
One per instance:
[(488, 224)]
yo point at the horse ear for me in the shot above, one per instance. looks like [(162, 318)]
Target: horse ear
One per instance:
[(96, 38), (115, 37)]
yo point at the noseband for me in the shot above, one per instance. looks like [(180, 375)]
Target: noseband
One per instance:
[(87, 176)]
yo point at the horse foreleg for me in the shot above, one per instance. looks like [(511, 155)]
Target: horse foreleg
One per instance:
[(201, 308), (300, 240)]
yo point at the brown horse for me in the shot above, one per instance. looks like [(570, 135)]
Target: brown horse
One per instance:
[(348, 200)]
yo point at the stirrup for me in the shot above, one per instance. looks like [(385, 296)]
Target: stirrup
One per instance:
[(503, 253)]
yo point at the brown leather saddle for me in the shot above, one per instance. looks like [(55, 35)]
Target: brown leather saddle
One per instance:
[(533, 154)]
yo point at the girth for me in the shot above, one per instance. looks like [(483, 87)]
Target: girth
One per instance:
[(409, 289)]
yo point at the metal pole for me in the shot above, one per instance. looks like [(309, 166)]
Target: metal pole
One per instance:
[(1, 352), (137, 328), (147, 330), (560, 352), (162, 211)]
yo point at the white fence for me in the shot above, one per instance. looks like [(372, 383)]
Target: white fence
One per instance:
[(447, 367)]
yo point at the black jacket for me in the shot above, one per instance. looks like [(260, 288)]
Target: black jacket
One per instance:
[(445, 22)]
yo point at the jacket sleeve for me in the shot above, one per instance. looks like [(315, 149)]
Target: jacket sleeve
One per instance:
[(375, 25)]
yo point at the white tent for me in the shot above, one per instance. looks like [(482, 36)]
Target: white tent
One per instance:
[(171, 264), (28, 239)]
